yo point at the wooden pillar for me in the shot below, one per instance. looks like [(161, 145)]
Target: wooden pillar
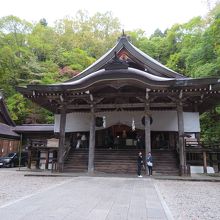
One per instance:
[(38, 159), (47, 160), (29, 145), (91, 142), (62, 138), (204, 162), (29, 158), (147, 129), (181, 139)]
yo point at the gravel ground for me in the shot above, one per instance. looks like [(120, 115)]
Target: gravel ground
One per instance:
[(191, 200), (186, 200), (14, 185)]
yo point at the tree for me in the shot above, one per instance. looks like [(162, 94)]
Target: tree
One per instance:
[(13, 51), (94, 34)]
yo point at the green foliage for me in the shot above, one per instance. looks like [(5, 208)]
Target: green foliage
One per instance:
[(207, 69), (76, 58), (95, 34), (18, 107), (40, 54), (52, 77), (210, 126)]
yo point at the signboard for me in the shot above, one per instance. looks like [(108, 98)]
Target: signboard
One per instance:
[(53, 142)]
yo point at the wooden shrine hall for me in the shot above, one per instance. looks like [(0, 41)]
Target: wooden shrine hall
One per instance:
[(124, 97)]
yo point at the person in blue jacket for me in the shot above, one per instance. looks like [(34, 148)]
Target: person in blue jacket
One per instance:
[(150, 163)]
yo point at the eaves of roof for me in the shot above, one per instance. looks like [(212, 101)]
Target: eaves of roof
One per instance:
[(133, 75), (34, 128)]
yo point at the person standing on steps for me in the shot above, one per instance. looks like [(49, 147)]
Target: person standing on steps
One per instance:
[(78, 138), (83, 141), (140, 163), (150, 164)]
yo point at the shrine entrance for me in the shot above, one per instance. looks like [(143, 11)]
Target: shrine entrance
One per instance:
[(120, 136)]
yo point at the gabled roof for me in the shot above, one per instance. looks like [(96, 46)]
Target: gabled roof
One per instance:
[(124, 47), (7, 131)]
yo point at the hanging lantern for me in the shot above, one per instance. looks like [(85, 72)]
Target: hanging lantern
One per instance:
[(143, 120), (133, 125), (98, 121)]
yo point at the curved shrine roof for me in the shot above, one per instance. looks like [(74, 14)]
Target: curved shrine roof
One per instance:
[(124, 62), (124, 47), (128, 75)]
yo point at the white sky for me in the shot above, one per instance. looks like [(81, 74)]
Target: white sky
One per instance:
[(144, 14)]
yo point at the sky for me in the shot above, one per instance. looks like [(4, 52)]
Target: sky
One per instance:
[(147, 15)]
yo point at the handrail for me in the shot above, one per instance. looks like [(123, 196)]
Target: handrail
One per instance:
[(201, 144), (66, 152)]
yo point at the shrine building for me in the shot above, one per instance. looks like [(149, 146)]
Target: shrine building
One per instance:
[(124, 103)]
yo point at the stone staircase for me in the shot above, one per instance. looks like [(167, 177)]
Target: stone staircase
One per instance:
[(122, 161)]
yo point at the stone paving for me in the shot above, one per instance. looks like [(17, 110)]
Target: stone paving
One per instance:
[(91, 198)]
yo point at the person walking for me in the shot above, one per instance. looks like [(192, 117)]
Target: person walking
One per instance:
[(150, 164), (140, 163)]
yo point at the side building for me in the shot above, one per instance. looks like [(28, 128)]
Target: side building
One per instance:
[(9, 140)]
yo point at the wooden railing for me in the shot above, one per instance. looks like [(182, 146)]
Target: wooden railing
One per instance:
[(202, 153)]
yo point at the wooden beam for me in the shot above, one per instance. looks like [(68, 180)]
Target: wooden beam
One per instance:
[(52, 101), (181, 138), (91, 142), (123, 105), (158, 93), (120, 94), (61, 139)]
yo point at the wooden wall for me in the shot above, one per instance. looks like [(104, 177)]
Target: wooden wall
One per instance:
[(8, 145)]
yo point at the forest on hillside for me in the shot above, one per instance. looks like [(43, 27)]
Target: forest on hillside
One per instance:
[(36, 53)]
